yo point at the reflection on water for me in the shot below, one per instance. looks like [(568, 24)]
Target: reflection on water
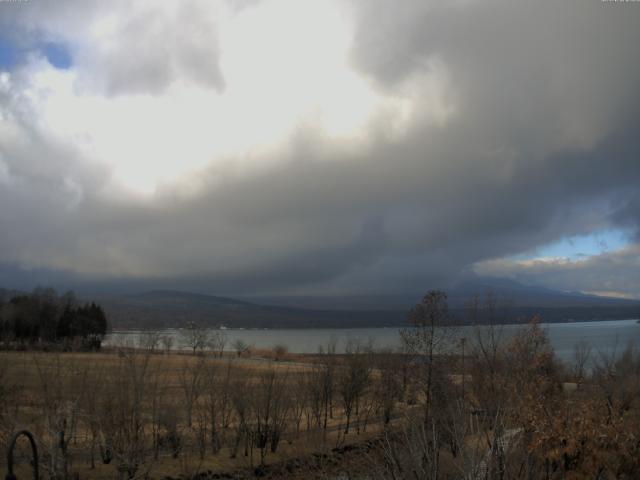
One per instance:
[(605, 337)]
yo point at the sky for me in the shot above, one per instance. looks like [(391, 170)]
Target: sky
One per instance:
[(306, 147)]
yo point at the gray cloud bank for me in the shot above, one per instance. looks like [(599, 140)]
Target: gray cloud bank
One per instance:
[(609, 274), (544, 142)]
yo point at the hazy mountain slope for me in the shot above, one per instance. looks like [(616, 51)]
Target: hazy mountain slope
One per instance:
[(168, 308), (506, 291), (173, 309), (519, 295)]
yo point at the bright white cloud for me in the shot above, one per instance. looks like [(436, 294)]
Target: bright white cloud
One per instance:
[(284, 65)]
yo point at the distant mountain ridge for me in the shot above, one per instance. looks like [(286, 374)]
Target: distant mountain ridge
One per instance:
[(171, 308), (166, 309), (177, 295), (174, 308), (520, 295), (506, 291)]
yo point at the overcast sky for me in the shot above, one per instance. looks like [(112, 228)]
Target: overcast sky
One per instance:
[(289, 146)]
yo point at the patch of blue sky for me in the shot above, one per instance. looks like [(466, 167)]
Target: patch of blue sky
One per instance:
[(11, 54), (58, 55), (581, 246)]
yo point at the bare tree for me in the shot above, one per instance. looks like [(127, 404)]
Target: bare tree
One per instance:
[(123, 415), (388, 385), (241, 399), (327, 355), (270, 406), (167, 343), (300, 400), (412, 453), (487, 362), (194, 336), (241, 347), (320, 382), (170, 437), (60, 412), (488, 344), (157, 380), (10, 393), (428, 338), (90, 399), (314, 383), (218, 341), (191, 379), (354, 378), (149, 340), (279, 351), (218, 401)]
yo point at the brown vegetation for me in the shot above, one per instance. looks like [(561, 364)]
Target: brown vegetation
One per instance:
[(142, 413), (502, 411), (484, 407)]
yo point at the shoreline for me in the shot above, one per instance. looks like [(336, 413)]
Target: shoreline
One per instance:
[(373, 327)]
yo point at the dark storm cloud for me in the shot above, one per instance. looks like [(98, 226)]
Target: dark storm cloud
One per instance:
[(628, 213), (544, 142)]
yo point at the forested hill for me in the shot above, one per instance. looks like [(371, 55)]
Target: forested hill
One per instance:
[(168, 308), (165, 309)]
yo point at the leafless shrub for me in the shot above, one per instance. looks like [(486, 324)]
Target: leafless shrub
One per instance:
[(149, 340), (10, 393), (279, 351), (388, 385), (123, 415), (241, 347), (55, 382), (353, 378), (428, 340), (167, 343), (191, 378), (299, 400), (240, 397), (218, 401), (194, 337), (218, 341), (270, 407)]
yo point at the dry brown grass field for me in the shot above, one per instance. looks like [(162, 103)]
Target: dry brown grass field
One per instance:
[(155, 415), (499, 412)]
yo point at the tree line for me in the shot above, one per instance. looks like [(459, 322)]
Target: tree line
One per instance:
[(43, 317)]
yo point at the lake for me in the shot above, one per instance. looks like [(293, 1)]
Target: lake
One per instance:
[(605, 337)]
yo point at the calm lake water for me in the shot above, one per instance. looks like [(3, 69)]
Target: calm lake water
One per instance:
[(605, 337)]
